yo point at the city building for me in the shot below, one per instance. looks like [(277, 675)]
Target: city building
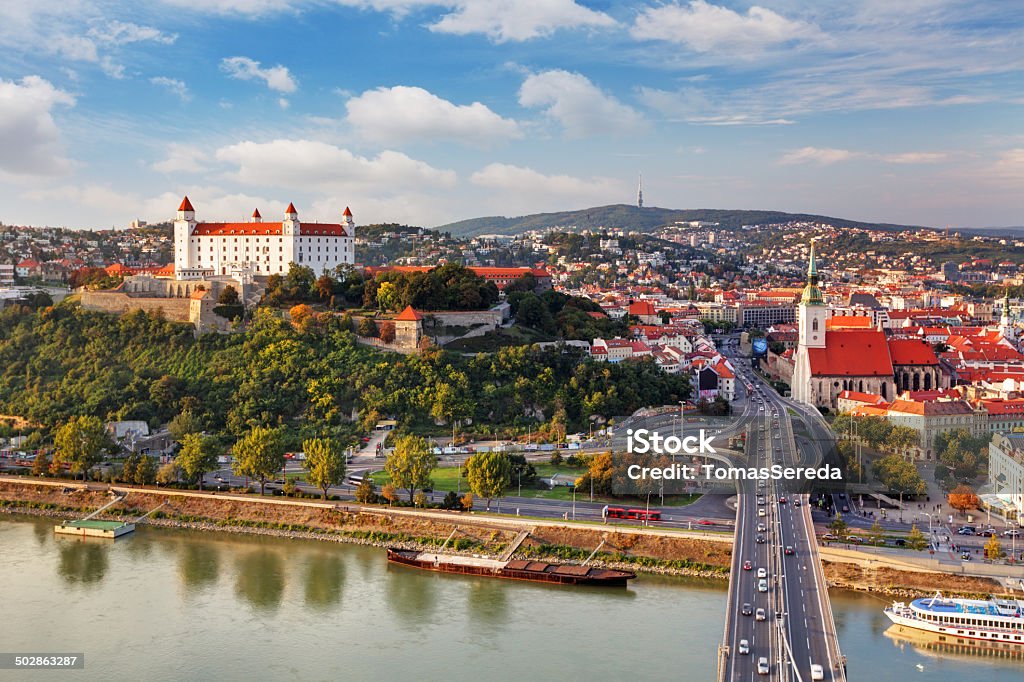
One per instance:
[(261, 248), (1006, 469)]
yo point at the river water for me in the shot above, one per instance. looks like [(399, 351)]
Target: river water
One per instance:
[(177, 605)]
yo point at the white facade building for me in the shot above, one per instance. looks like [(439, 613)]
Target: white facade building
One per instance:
[(216, 249)]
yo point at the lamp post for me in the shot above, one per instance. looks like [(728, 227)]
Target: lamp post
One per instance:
[(573, 501)]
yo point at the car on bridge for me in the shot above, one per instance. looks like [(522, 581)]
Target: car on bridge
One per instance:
[(762, 666), (817, 672), (760, 615), (762, 572), (760, 539), (747, 565), (762, 585), (789, 550), (744, 647), (747, 610)]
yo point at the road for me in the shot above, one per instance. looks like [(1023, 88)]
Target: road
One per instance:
[(798, 629)]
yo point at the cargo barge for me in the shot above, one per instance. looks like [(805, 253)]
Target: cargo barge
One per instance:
[(517, 569)]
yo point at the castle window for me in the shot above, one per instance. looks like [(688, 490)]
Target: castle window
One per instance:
[(814, 324)]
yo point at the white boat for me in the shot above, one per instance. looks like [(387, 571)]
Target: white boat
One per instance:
[(984, 620)]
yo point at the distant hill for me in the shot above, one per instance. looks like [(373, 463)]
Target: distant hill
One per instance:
[(642, 219)]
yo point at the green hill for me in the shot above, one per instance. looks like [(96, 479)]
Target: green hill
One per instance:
[(642, 219)]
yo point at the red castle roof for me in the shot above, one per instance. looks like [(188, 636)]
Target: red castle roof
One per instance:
[(911, 352), (408, 315), (274, 229), (186, 205)]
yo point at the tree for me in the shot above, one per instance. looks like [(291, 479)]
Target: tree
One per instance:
[(259, 454), (300, 313), (963, 498), (367, 327), (184, 423), (325, 462), (229, 296), (410, 464), (993, 549), (169, 473), (916, 539), (389, 493), (387, 331), (365, 493), (198, 456), (839, 527), (488, 474), (467, 501), (420, 500), (41, 464), (899, 476), (79, 442), (876, 533)]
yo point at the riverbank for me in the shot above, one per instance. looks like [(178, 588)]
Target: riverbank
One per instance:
[(636, 549), (625, 548)]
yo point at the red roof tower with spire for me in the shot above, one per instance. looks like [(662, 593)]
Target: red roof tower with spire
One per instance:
[(186, 205)]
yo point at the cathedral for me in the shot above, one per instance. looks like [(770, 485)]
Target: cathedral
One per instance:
[(259, 248), (832, 359)]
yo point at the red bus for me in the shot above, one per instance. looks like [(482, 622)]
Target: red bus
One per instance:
[(632, 514), (643, 515)]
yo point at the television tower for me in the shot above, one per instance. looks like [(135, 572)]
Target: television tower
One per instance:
[(640, 192)]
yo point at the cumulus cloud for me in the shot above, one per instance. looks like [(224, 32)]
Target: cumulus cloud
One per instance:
[(704, 27), (29, 136), (277, 78), (505, 20), (184, 158), (403, 114), (303, 164), (173, 85), (577, 104), (123, 33), (546, 190)]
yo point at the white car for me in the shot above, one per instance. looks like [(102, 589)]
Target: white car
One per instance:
[(762, 666), (744, 647), (760, 615), (762, 585), (760, 512), (817, 672), (762, 573)]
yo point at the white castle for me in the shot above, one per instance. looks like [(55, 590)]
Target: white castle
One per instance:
[(204, 250)]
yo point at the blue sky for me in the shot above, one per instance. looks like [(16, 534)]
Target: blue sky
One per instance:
[(424, 111)]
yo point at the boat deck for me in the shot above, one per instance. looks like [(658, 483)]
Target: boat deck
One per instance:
[(460, 560)]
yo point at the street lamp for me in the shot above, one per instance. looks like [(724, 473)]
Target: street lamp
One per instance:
[(573, 501)]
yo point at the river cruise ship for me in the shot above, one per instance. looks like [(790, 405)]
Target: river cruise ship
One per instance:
[(988, 620)]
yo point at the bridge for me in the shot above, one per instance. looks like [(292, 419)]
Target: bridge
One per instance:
[(797, 633)]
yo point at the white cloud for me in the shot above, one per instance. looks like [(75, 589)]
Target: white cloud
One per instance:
[(212, 203), (577, 104), (277, 77), (825, 156), (304, 164), (283, 103), (93, 196), (693, 105), (704, 27), (403, 114), (505, 20), (29, 137), (915, 157), (173, 85), (182, 158), (122, 33), (546, 191)]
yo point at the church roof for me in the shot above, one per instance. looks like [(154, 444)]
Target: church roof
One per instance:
[(911, 352), (851, 353)]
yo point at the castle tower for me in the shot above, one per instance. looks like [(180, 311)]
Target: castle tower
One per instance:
[(184, 224), (348, 222), (256, 217), (290, 227)]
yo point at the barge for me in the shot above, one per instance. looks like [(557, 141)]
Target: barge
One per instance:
[(516, 569)]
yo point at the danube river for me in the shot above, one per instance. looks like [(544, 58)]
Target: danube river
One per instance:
[(176, 605)]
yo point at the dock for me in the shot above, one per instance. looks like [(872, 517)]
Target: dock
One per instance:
[(95, 529), (89, 527)]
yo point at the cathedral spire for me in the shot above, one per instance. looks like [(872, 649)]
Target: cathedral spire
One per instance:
[(812, 294)]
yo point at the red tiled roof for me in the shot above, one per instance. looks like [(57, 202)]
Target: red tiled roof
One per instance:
[(848, 321), (859, 353), (186, 205), (911, 352), (256, 213), (291, 208), (348, 212), (408, 315), (866, 398), (273, 229), (639, 308)]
